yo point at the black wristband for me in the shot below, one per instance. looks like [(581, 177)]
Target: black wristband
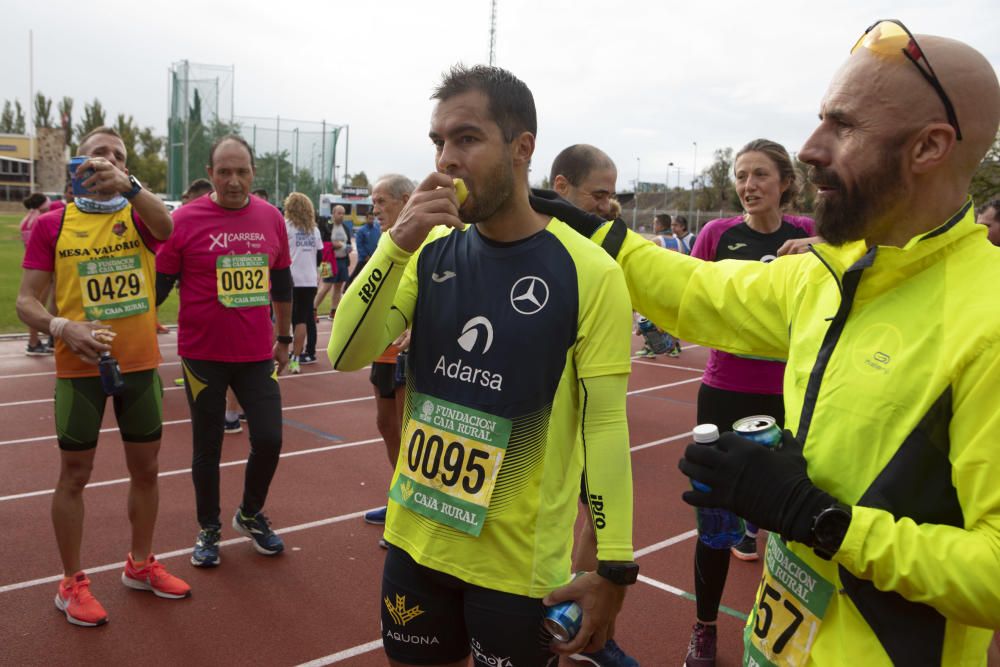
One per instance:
[(285, 340)]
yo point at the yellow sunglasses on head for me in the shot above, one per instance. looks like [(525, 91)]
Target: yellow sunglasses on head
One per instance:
[(889, 37)]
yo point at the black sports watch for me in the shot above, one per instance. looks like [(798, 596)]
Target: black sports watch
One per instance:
[(136, 188), (829, 529), (621, 573), (285, 340)]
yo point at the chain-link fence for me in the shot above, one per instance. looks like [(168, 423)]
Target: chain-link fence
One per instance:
[(291, 155), (201, 108), (650, 204)]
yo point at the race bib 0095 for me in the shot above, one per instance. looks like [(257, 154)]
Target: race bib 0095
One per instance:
[(449, 466)]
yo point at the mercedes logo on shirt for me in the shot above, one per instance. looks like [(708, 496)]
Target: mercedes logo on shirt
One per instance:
[(529, 295)]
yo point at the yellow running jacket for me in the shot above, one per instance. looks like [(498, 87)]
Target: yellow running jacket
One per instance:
[(893, 385)]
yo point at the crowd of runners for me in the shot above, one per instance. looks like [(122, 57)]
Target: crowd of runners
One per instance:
[(858, 330)]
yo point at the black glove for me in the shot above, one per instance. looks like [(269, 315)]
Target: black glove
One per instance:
[(764, 486)]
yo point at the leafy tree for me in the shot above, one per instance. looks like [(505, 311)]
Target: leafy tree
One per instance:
[(66, 121), (93, 116), (144, 149), (7, 118), (986, 180), (18, 118), (714, 185), (806, 199), (359, 180), (265, 176), (129, 131), (12, 118), (150, 167), (306, 183), (43, 111)]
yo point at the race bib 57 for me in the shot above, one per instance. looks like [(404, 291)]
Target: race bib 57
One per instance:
[(791, 602)]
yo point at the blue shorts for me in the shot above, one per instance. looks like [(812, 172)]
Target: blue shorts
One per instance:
[(343, 263)]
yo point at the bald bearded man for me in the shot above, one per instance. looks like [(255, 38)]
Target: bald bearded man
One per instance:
[(884, 493)]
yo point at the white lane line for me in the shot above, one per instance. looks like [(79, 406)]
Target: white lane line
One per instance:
[(662, 586), (181, 471), (165, 388), (174, 422), (659, 386), (373, 645), (33, 375), (187, 551), (343, 655), (43, 438), (316, 450), (654, 443), (669, 542), (673, 366)]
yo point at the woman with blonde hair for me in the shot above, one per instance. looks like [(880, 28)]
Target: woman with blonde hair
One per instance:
[(305, 245)]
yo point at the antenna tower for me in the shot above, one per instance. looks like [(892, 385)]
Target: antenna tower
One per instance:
[(493, 32)]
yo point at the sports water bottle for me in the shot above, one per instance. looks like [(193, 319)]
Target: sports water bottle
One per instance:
[(111, 375), (717, 528)]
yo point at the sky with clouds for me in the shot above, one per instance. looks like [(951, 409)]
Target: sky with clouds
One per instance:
[(643, 79)]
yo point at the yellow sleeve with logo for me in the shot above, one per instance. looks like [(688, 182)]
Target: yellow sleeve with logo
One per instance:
[(607, 463), (722, 301), (376, 308), (956, 570)]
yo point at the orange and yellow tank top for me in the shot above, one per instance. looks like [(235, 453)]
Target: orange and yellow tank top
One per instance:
[(104, 271)]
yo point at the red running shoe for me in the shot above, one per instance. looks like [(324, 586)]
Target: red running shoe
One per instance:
[(76, 601), (152, 576)]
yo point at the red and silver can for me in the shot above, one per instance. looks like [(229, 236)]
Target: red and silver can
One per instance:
[(761, 429)]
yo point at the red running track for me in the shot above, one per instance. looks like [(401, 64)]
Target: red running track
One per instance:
[(318, 603)]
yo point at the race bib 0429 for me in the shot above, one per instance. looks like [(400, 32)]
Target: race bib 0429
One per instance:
[(791, 602), (242, 281), (113, 287), (450, 461)]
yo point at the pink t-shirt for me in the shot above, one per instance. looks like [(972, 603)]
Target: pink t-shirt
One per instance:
[(28, 221), (732, 238), (204, 232)]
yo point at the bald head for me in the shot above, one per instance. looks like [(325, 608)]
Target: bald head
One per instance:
[(885, 159), (971, 84), (902, 98)]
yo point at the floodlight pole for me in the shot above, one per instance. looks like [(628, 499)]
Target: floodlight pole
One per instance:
[(31, 112), (694, 176)]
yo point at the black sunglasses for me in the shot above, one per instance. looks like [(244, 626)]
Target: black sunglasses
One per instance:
[(890, 36)]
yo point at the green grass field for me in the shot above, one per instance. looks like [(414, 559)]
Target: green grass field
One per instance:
[(11, 254)]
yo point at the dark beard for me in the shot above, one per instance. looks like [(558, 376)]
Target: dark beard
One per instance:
[(491, 194), (847, 215)]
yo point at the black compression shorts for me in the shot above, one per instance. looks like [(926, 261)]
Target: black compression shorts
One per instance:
[(432, 618)]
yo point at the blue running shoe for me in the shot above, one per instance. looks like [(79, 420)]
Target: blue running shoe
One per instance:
[(258, 529), (206, 548), (610, 656), (376, 517)]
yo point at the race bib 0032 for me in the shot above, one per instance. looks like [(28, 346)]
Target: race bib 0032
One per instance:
[(113, 287), (242, 281), (791, 602), (450, 462)]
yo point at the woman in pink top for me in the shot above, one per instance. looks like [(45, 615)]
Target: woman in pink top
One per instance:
[(37, 204), (735, 387)]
